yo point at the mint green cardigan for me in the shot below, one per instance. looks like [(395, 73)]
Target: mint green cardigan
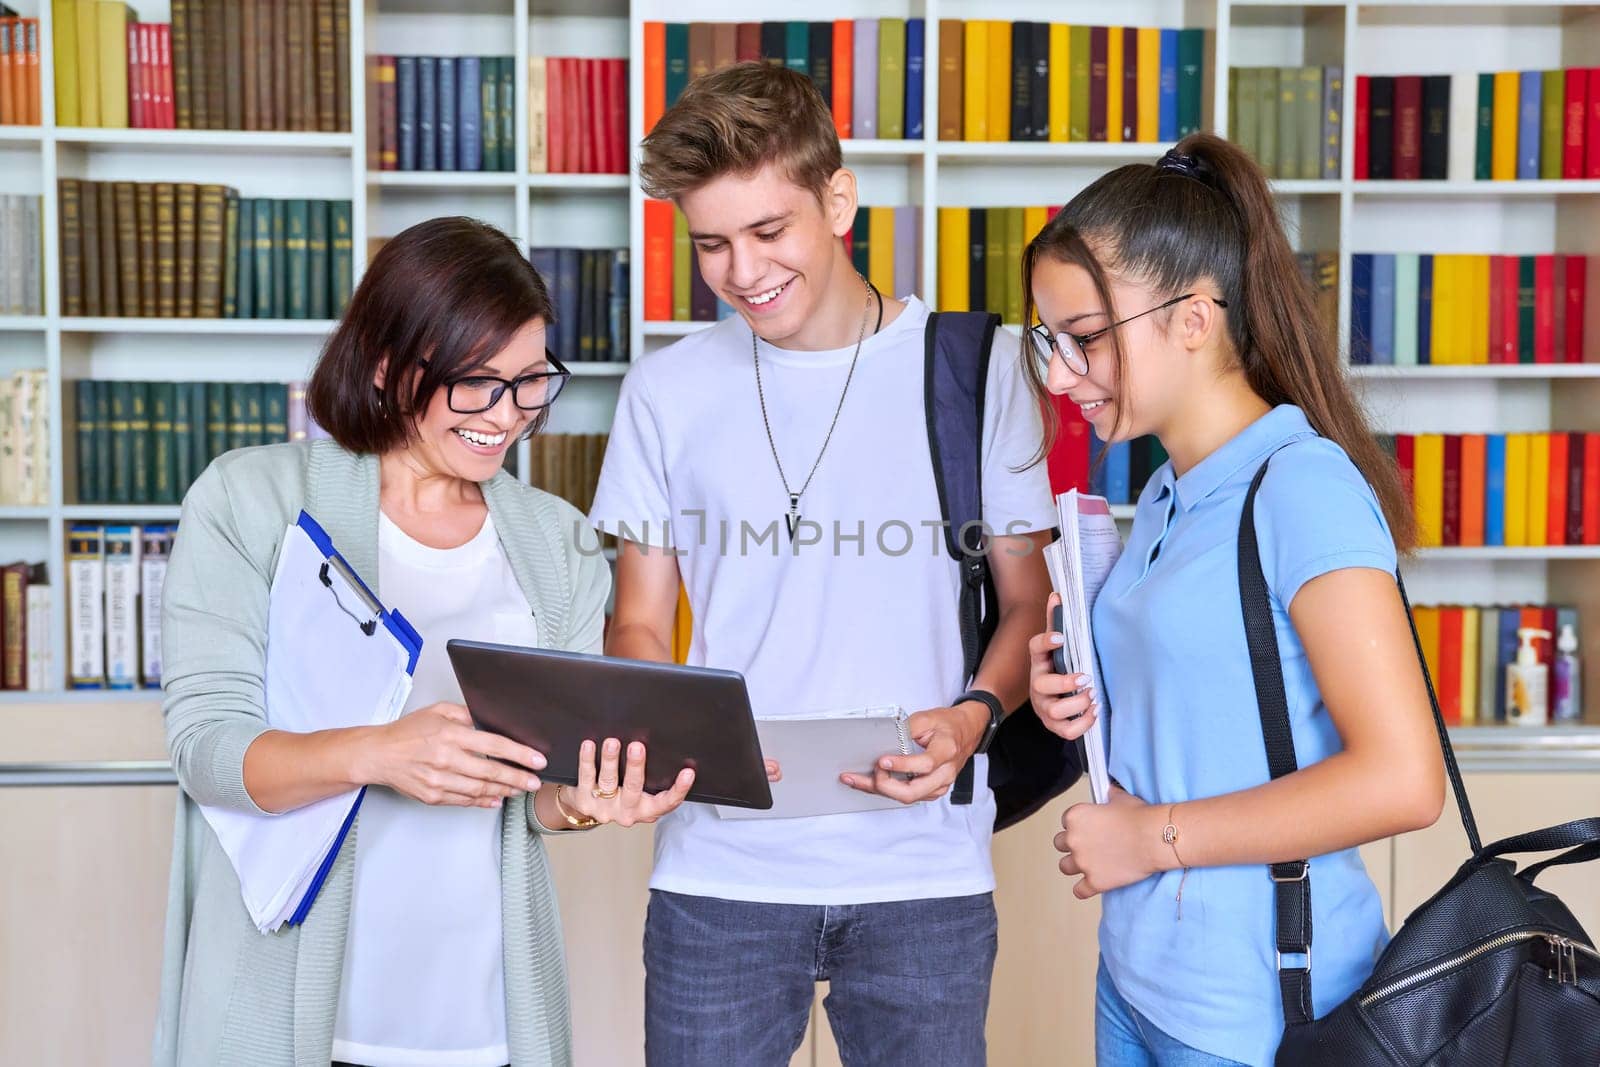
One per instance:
[(232, 995)]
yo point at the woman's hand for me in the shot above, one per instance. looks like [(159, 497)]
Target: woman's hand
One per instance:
[(602, 798), (1107, 846), (436, 756), (1063, 702)]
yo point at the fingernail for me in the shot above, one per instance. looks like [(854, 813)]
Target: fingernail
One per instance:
[(1081, 681), (847, 780), (1058, 639), (886, 764), (533, 784), (612, 745), (636, 750)]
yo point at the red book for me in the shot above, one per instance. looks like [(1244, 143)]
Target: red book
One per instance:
[(1408, 127), (1591, 488), (1591, 127), (1510, 286), (1546, 645), (150, 57), (136, 116), (748, 45), (1405, 460), (655, 73), (1362, 114), (1576, 283), (1544, 309), (844, 36), (1052, 211), (1452, 490), (169, 114), (591, 116), (1474, 452), (1130, 85), (1098, 58), (1572, 128), (1559, 304), (1068, 462), (1575, 475), (1448, 684), (849, 243), (1497, 316), (617, 73), (1555, 527), (658, 260)]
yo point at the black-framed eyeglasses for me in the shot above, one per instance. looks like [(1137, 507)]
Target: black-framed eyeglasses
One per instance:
[(472, 393), (1070, 346)]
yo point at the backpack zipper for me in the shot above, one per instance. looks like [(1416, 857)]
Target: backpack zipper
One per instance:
[(1566, 951)]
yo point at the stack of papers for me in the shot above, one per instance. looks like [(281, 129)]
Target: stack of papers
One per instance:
[(1079, 563)]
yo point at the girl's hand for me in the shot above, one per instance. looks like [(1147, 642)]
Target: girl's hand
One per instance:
[(1066, 716), (436, 756), (604, 799), (1107, 846)]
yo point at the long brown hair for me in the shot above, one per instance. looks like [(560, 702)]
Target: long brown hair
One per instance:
[(1212, 216)]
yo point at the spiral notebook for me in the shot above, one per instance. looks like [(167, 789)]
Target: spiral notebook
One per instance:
[(814, 749)]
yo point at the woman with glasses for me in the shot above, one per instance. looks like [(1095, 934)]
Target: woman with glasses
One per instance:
[(1169, 302), (435, 938)]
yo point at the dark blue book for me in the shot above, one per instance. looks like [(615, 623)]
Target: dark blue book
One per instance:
[(544, 261), (469, 113), (916, 48), (1494, 489), (1361, 308), (1424, 309), (1119, 478), (621, 281), (1097, 465), (1382, 328), (508, 113), (246, 306), (1529, 112), (447, 113), (978, 259), (569, 278), (1510, 620), (405, 95), (427, 113)]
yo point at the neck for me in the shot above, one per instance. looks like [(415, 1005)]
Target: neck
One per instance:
[(408, 485), (836, 321), (1212, 415)]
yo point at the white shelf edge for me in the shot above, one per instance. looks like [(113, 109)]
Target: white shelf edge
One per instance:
[(23, 323), (25, 513), (130, 512), (249, 140), (1487, 371), (15, 697), (597, 369), (1307, 187), (1536, 554), (1473, 190), (658, 328), (579, 182), (442, 179), (1049, 151), (21, 134), (253, 327)]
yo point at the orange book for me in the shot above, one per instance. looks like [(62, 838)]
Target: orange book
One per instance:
[(1474, 447), (658, 260), (844, 37), (1556, 524), (1428, 633), (1538, 506), (1448, 681), (8, 106), (1114, 61), (1591, 489), (655, 73), (35, 104)]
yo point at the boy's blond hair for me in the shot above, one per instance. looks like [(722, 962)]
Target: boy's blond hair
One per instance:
[(735, 122)]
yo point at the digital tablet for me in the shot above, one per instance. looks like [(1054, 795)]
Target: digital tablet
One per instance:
[(685, 716)]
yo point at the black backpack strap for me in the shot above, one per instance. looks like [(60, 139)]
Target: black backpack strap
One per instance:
[(955, 373)]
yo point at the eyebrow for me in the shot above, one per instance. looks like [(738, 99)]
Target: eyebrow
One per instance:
[(1065, 324), (759, 224)]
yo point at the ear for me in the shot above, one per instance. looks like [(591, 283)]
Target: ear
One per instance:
[(1200, 323), (839, 201), (380, 373)]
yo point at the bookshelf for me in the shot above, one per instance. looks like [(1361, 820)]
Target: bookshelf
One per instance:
[(603, 210)]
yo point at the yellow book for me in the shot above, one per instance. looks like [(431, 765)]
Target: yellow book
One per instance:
[(999, 81), (88, 62), (64, 20), (975, 81), (682, 627), (1516, 490), (880, 249), (113, 17), (682, 253), (1033, 220), (1480, 309), (1447, 309), (1470, 667), (1060, 81), (1428, 482), (1149, 128), (1428, 633), (1506, 113), (1114, 83), (955, 284), (1538, 488)]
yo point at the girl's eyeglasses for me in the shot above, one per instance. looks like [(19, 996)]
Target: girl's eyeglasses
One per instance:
[(1070, 346)]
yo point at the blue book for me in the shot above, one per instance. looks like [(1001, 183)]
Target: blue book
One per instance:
[(544, 261), (1510, 620), (1425, 309), (405, 97), (1097, 465), (1361, 308), (427, 113), (1383, 309), (1168, 124), (1494, 490), (568, 301), (447, 113), (915, 51), (621, 280), (677, 60), (1118, 478), (1529, 100), (797, 47), (469, 113)]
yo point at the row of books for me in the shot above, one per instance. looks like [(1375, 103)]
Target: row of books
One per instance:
[(452, 113), (1081, 461), (114, 579), (146, 442), (180, 250), (577, 115), (1408, 308), (25, 614), (22, 273), (568, 465), (19, 70), (1499, 126), (980, 257), (589, 288), (1289, 119), (1043, 81), (884, 244), (25, 439), (111, 70), (1517, 490), (870, 71), (1467, 649)]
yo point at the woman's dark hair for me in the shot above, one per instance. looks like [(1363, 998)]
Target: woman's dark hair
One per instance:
[(452, 291), (1205, 213)]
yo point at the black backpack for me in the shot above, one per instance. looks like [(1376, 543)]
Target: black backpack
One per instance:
[(1028, 765)]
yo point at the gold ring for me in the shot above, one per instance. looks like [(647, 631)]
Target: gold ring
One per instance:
[(604, 794)]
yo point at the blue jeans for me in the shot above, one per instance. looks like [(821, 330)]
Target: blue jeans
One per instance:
[(730, 983), (1124, 1038)]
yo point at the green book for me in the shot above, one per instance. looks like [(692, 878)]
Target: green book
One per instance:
[(677, 50), (1191, 49), (600, 285), (230, 254), (1308, 122), (1552, 112), (163, 443), (1525, 308), (1077, 84), (682, 249), (104, 468), (891, 79), (1013, 266), (238, 426), (489, 123), (586, 295), (245, 308), (1288, 123), (255, 415), (274, 412), (508, 116), (1407, 275), (121, 445), (199, 444), (87, 426), (297, 252), (1490, 691), (1483, 158), (317, 245), (1247, 110), (139, 442), (797, 50), (341, 267), (280, 260), (264, 270), (183, 430), (994, 260), (217, 428), (1267, 127)]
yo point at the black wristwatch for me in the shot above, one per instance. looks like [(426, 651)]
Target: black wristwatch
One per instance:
[(997, 713)]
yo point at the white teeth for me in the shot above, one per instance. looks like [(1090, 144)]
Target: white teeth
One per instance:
[(767, 296), (1093, 405), (484, 439)]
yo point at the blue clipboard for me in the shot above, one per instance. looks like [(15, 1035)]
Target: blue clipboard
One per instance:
[(403, 632)]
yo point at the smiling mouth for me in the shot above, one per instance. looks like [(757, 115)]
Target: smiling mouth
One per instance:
[(482, 440), (1093, 406), (769, 296)]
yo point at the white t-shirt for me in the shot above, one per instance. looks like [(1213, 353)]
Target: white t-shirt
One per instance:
[(812, 628), (424, 977)]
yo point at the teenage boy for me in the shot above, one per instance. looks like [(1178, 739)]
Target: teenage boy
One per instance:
[(778, 464)]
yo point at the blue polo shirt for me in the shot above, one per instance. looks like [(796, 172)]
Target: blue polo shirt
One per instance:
[(1184, 725)]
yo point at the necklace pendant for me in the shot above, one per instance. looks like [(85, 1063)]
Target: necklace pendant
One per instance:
[(792, 520)]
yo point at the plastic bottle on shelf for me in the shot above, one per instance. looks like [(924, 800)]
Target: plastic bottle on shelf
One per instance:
[(1527, 683), (1566, 703)]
